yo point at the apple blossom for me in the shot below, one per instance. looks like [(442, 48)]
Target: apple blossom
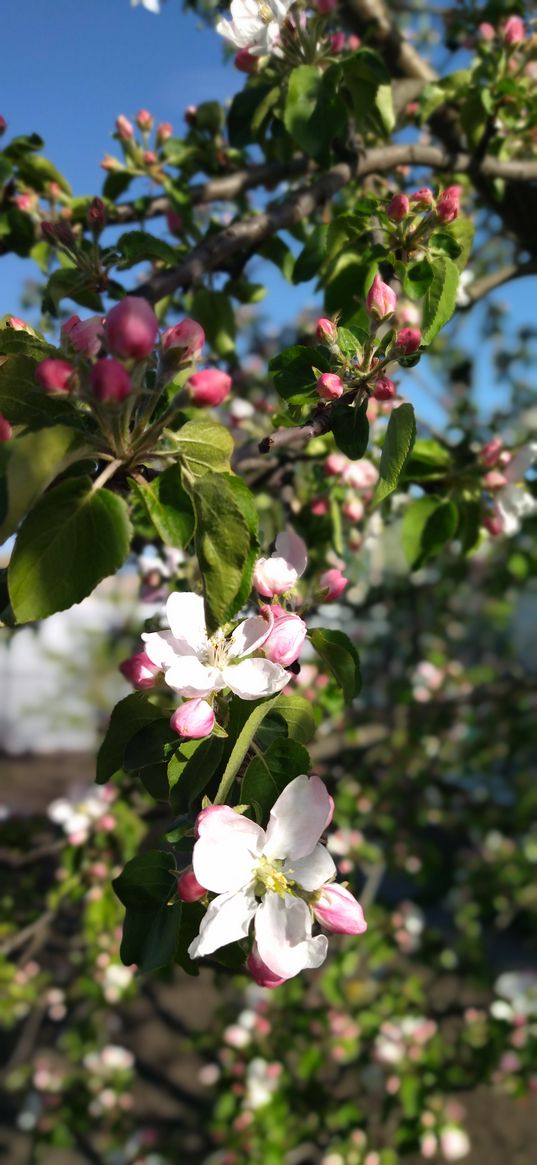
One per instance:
[(6, 430), (194, 719), (329, 386), (150, 5), (408, 340), (338, 911), (514, 502), (280, 573), (254, 26), (269, 878), (454, 1143), (139, 670), (124, 128), (361, 474), (188, 887), (110, 381), (422, 198), (384, 388), (86, 336), (333, 582), (326, 330), (196, 665), (188, 337), (514, 31), (353, 509), (335, 464), (209, 387), (245, 61), (381, 299), (448, 204), (286, 638), (131, 328), (55, 375), (398, 208)]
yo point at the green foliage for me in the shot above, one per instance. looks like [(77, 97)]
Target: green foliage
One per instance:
[(168, 505), (269, 772), (72, 538), (213, 310), (369, 84), (429, 523), (340, 657), (440, 297), (226, 542), (398, 444), (350, 427), (151, 926), (204, 447), (30, 464), (293, 371), (128, 717), (314, 112)]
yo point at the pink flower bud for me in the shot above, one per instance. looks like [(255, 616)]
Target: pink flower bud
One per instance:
[(17, 324), (326, 331), (448, 204), (96, 216), (259, 971), (486, 31), (319, 507), (494, 524), (54, 375), (353, 42), (329, 386), (337, 42), (6, 430), (86, 336), (150, 157), (3, 124), (23, 202), (286, 639), (333, 582), (124, 128), (188, 337), (139, 671), (381, 299), (398, 208), (325, 7), (408, 340), (422, 198), (245, 61), (209, 387), (110, 163), (361, 474), (131, 328), (338, 911), (110, 381), (490, 453), (164, 132), (514, 31), (175, 222), (335, 464), (494, 479), (193, 719), (188, 887), (384, 388), (353, 509), (144, 120)]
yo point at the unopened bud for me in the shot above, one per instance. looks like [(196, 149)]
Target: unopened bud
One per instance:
[(144, 120), (191, 113), (408, 340), (514, 31), (448, 204), (184, 340), (337, 43), (194, 719), (333, 582), (325, 7), (353, 509), (86, 336), (422, 199), (6, 430), (490, 453), (164, 132), (188, 887), (150, 157), (398, 208), (139, 670), (110, 381), (48, 230), (96, 216), (17, 324), (486, 31), (329, 386), (175, 222), (338, 911), (286, 639), (335, 464), (261, 974), (209, 387), (3, 125), (110, 163), (381, 299), (131, 328), (245, 61), (124, 128), (326, 331), (384, 388), (54, 375)]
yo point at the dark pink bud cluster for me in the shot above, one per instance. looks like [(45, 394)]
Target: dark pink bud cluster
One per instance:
[(408, 340), (326, 331), (55, 375), (184, 340), (384, 388), (110, 381), (209, 387), (514, 31), (398, 208), (448, 204), (329, 386), (131, 328)]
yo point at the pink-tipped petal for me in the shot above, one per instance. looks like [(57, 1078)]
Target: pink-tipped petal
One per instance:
[(338, 911), (297, 819)]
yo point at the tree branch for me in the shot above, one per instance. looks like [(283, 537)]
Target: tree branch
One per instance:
[(482, 287)]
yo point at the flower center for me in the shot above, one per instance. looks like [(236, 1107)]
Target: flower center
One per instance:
[(269, 876), (264, 12), (217, 650)]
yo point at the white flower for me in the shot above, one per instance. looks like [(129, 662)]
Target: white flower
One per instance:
[(281, 572), (520, 988), (466, 278), (272, 878), (196, 665), (76, 814), (261, 1082), (513, 501), (254, 24), (151, 5), (454, 1143)]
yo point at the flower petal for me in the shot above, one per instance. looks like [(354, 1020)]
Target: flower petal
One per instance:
[(186, 615), (250, 635), (339, 911), (227, 919), (226, 851), (313, 871), (283, 936), (254, 678), (298, 818), (293, 548), (159, 646), (191, 678)]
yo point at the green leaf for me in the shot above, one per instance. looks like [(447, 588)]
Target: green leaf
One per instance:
[(151, 926), (116, 183), (311, 256), (24, 403), (292, 370), (204, 447), (469, 528), (428, 524), (298, 715), (300, 105), (252, 105), (148, 753), (268, 774), (441, 296), (38, 172), (140, 246), (168, 506), (398, 444), (213, 310), (243, 742), (190, 770), (350, 427), (428, 460), (19, 343), (340, 657), (31, 463), (74, 537), (226, 543), (416, 277), (128, 717), (70, 283), (277, 252), (368, 82)]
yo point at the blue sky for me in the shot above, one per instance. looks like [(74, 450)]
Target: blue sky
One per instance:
[(70, 66)]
